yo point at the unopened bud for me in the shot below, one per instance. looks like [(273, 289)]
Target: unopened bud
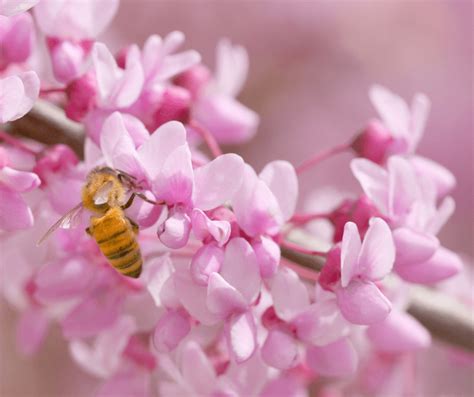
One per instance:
[(81, 94), (373, 142), (175, 105), (194, 79)]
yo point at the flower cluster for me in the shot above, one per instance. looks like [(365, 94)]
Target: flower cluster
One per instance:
[(217, 310)]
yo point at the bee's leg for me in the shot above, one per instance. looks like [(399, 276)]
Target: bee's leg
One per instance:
[(145, 198), (89, 231), (135, 226), (129, 201)]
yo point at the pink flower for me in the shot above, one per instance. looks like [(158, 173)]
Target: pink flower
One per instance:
[(361, 266), (410, 205), (17, 38), (17, 95), (216, 107)]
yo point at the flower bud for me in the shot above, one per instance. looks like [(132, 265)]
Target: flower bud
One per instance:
[(67, 58), (174, 232), (331, 272), (206, 260), (175, 105), (225, 214), (373, 142), (358, 211), (81, 94), (194, 79), (268, 256)]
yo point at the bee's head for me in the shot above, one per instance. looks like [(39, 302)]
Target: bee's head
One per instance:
[(102, 190)]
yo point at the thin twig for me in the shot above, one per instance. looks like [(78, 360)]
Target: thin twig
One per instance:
[(446, 318)]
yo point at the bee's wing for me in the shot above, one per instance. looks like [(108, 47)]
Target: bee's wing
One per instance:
[(101, 196), (67, 221)]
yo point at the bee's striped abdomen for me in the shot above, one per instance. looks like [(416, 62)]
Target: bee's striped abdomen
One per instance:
[(116, 240)]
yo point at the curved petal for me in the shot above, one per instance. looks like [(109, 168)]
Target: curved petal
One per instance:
[(440, 266), (231, 67), (14, 212), (398, 333), (350, 250), (268, 256), (240, 268), (280, 177), (442, 178), (217, 181), (207, 260), (222, 298), (290, 295), (377, 254), (361, 302), (241, 335), (374, 182), (420, 109), (338, 359), (413, 247), (19, 181), (165, 140), (280, 350), (203, 228), (17, 95), (171, 328)]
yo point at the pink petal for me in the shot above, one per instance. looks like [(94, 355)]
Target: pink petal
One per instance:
[(165, 140), (290, 295), (338, 359), (128, 87), (217, 181), (361, 302), (222, 298), (207, 260), (440, 266), (321, 323), (18, 38), (443, 179), (350, 250), (268, 256), (18, 95), (240, 268), (154, 275), (280, 350), (172, 327), (280, 177), (241, 335), (118, 147), (178, 63), (420, 109), (76, 20), (373, 180), (443, 213), (378, 251), (228, 120), (193, 297), (32, 329), (204, 228), (255, 207), (413, 247), (398, 333), (175, 182), (136, 129), (404, 188), (231, 67), (19, 181), (14, 212), (106, 70), (197, 370), (392, 109)]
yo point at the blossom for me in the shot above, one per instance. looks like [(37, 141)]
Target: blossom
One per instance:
[(411, 208), (353, 273)]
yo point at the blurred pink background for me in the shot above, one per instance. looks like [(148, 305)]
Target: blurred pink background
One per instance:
[(311, 64)]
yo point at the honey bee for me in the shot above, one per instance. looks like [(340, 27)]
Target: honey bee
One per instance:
[(104, 194)]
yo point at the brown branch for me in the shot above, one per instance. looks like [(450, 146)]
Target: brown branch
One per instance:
[(446, 318)]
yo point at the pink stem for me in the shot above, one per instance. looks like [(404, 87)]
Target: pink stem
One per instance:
[(325, 154), (302, 250), (16, 143), (47, 91), (300, 219), (208, 138)]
